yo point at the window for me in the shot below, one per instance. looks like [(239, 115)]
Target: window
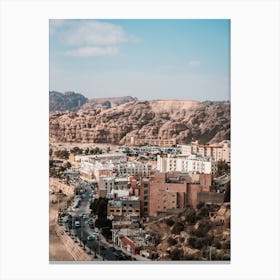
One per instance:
[(146, 186), (130, 205), (145, 209), (130, 211), (117, 210), (124, 210), (145, 203), (145, 192), (145, 197)]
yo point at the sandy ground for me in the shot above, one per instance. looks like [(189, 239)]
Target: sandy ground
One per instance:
[(57, 250)]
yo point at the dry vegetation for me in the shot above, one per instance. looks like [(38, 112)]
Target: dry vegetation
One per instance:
[(193, 233)]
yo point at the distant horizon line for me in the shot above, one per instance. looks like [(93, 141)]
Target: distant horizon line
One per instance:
[(154, 99)]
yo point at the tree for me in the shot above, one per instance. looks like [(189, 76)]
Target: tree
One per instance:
[(99, 208), (177, 254), (227, 193), (203, 228), (191, 215), (203, 212), (76, 151), (169, 222), (200, 205), (222, 168), (62, 154), (177, 228), (171, 241)]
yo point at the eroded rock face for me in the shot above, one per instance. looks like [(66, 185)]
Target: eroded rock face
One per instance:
[(181, 119)]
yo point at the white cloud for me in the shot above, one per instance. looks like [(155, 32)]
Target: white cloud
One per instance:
[(95, 33), (194, 63), (91, 37), (94, 51)]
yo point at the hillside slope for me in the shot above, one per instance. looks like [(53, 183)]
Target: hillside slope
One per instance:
[(181, 119)]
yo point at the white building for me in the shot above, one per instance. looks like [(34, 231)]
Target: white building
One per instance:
[(219, 152), (190, 164), (113, 183), (97, 168), (133, 168), (110, 157)]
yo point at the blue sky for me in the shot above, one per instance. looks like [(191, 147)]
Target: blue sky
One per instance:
[(147, 59)]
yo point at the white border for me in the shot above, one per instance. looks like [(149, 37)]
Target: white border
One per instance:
[(255, 137)]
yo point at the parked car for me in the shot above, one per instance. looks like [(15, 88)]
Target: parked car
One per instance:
[(93, 236)]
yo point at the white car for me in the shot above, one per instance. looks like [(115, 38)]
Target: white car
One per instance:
[(93, 236)]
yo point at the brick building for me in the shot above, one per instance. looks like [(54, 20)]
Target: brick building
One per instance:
[(164, 191)]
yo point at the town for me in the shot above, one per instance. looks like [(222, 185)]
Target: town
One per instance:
[(150, 200)]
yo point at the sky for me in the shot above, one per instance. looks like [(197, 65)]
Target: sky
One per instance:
[(147, 59)]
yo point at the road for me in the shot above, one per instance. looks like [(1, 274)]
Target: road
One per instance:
[(100, 247)]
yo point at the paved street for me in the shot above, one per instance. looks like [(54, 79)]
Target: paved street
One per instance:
[(101, 247)]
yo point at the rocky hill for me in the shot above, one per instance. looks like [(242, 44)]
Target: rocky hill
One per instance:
[(71, 101), (181, 119), (68, 101), (107, 103)]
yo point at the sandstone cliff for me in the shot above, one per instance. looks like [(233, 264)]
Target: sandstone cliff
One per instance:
[(181, 119)]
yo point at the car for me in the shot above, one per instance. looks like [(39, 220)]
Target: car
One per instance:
[(93, 236), (112, 249), (77, 224)]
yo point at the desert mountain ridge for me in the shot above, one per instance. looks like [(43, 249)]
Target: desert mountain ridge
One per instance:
[(184, 120), (72, 101)]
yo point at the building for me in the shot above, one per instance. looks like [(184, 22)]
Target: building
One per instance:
[(219, 152), (109, 184), (134, 168), (94, 168), (109, 157), (174, 190), (187, 163), (132, 240), (126, 207), (152, 142), (163, 191)]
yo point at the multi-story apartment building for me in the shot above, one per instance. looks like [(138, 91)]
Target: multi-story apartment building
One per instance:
[(95, 169), (165, 191), (219, 152), (124, 207), (133, 168), (189, 163), (112, 184)]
